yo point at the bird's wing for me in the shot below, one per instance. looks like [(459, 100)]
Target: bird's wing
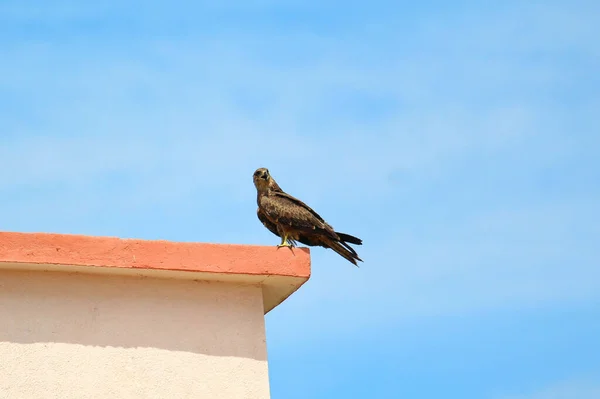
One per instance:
[(297, 202), (290, 211), (266, 222), (307, 239)]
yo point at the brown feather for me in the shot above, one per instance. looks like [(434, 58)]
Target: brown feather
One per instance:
[(337, 247)]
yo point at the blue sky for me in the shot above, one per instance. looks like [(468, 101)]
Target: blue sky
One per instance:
[(459, 140)]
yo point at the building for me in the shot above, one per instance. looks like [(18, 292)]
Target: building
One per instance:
[(100, 317)]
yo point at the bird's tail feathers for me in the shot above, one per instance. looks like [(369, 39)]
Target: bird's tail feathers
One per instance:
[(351, 256), (349, 238), (349, 248)]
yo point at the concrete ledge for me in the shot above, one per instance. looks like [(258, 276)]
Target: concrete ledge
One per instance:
[(280, 272)]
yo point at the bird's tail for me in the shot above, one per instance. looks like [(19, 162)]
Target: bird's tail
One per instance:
[(349, 255), (349, 238)]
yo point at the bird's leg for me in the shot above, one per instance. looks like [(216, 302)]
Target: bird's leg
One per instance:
[(284, 242), (284, 237)]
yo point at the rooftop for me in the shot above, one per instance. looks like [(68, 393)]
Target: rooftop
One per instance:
[(280, 271)]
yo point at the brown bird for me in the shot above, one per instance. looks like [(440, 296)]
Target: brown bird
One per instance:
[(292, 220)]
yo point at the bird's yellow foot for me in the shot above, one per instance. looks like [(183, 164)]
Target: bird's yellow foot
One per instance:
[(284, 243)]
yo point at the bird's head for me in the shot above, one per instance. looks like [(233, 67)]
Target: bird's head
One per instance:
[(262, 179)]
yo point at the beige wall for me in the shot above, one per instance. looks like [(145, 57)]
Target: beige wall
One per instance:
[(66, 335)]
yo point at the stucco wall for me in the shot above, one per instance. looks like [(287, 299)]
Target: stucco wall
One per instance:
[(66, 335)]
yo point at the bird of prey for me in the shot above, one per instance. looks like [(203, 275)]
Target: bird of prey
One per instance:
[(293, 220)]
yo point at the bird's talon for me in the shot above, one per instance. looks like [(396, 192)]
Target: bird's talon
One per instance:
[(284, 242)]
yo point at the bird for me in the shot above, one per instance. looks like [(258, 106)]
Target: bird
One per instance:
[(292, 220)]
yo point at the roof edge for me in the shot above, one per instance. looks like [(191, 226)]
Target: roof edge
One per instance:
[(93, 251)]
